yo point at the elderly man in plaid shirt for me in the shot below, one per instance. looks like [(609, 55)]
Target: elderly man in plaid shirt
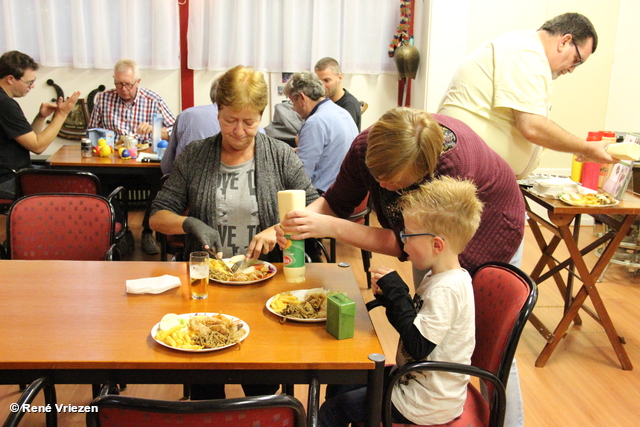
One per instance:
[(127, 110)]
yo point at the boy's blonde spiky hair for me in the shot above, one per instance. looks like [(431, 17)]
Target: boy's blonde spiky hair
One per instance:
[(447, 207)]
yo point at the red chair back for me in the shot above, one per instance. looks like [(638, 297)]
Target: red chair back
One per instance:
[(500, 294), (38, 181), (275, 411), (61, 226)]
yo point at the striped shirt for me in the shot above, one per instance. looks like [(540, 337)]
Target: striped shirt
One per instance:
[(111, 112)]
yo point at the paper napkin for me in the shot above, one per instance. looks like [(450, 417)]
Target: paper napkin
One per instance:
[(153, 285)]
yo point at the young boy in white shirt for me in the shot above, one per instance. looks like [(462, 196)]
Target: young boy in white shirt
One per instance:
[(440, 219)]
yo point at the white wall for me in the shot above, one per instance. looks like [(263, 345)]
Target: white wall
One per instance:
[(602, 94)]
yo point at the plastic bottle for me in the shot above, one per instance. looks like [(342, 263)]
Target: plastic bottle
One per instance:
[(293, 253), (162, 146), (591, 170), (610, 137)]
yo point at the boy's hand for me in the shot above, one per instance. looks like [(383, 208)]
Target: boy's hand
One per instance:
[(377, 274)]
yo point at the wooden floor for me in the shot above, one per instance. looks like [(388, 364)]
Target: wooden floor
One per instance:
[(581, 385)]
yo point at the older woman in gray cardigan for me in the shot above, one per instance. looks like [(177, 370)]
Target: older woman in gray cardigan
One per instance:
[(222, 191)]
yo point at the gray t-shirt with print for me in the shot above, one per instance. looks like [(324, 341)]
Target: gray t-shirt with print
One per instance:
[(238, 219)]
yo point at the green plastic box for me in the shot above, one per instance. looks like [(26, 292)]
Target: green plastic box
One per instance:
[(341, 313)]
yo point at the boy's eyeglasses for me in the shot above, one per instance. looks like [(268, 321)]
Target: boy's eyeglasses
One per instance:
[(403, 236)]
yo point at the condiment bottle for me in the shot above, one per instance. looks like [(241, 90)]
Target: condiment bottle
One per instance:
[(610, 137), (293, 253), (591, 170)]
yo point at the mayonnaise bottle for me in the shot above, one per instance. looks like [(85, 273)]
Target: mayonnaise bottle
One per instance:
[(293, 253)]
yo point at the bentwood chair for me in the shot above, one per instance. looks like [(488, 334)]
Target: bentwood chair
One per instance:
[(41, 384), (47, 181), (273, 410), (504, 299)]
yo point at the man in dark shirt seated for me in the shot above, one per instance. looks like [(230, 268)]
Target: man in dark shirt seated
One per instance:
[(19, 138), (328, 70)]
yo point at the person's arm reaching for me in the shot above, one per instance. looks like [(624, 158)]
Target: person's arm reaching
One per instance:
[(541, 131), (42, 136), (319, 221)]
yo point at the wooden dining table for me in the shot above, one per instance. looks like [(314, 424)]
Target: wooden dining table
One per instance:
[(74, 322), (70, 157), (561, 218)]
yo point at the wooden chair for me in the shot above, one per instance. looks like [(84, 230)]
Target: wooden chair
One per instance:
[(504, 299), (41, 384), (273, 410), (48, 181)]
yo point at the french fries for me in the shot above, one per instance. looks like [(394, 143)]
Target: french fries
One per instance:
[(280, 301), (178, 337)]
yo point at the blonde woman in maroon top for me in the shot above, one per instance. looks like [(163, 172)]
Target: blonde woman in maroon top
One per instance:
[(405, 148)]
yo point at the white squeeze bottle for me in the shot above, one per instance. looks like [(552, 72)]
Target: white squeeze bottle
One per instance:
[(293, 253)]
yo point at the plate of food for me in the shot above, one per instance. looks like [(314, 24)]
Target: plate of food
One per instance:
[(593, 199), (258, 271), (199, 332), (303, 305)]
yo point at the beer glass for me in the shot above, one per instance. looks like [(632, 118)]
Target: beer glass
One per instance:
[(199, 274)]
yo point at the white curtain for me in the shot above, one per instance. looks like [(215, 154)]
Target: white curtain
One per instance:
[(93, 33), (291, 35)]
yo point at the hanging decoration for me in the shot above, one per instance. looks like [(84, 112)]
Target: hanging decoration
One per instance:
[(406, 55)]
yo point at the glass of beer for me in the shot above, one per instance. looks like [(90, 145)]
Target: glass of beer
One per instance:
[(199, 274)]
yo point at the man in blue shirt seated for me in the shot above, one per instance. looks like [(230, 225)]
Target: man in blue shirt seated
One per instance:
[(328, 130), (193, 124)]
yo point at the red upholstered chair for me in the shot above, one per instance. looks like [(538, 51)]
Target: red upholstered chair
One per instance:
[(6, 203), (47, 181), (504, 299), (61, 226), (274, 411), (41, 384)]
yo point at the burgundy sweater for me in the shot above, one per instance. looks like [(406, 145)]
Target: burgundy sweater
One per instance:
[(502, 225)]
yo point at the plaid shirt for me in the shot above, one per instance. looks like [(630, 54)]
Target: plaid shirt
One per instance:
[(111, 112)]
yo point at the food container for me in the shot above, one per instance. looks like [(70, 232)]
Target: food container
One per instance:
[(624, 151), (96, 134), (553, 187), (341, 313)]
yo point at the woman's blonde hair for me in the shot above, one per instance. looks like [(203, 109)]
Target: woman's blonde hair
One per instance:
[(447, 207), (404, 141), (242, 87)]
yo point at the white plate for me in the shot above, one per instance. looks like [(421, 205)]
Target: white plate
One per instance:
[(154, 331), (301, 295), (568, 200), (272, 271)]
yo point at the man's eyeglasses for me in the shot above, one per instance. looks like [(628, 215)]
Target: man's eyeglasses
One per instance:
[(29, 83), (580, 61), (124, 85), (403, 236)]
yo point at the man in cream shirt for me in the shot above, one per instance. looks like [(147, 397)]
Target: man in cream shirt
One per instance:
[(502, 91)]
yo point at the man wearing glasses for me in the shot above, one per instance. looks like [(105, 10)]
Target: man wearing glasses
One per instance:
[(18, 137), (128, 110), (502, 91)]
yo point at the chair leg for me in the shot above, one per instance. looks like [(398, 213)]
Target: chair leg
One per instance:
[(332, 249), (366, 262), (186, 392)]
